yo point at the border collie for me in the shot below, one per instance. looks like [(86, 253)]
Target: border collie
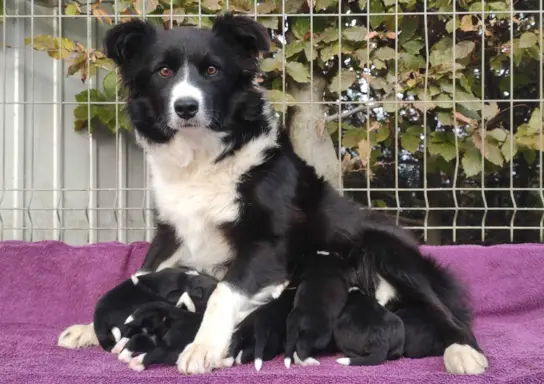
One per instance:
[(235, 201), (366, 332)]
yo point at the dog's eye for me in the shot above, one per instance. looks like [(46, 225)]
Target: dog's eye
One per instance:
[(211, 71), (165, 72)]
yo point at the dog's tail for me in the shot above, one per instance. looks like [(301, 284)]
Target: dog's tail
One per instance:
[(372, 359)]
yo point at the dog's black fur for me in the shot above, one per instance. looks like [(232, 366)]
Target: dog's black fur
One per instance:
[(320, 298), (114, 307), (367, 333), (283, 208)]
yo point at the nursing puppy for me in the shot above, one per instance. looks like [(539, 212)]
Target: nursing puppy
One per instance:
[(232, 197), (320, 298), (261, 336), (177, 286), (366, 332)]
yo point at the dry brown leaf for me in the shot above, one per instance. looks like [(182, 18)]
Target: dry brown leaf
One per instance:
[(364, 148), (391, 35), (101, 14), (467, 120)]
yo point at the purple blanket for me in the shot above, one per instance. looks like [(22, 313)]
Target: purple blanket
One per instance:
[(47, 286)]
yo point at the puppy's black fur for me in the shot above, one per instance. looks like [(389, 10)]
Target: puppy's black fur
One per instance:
[(168, 285), (320, 298), (282, 208), (367, 333), (261, 335)]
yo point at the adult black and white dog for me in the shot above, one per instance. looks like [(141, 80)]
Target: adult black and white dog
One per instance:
[(234, 200)]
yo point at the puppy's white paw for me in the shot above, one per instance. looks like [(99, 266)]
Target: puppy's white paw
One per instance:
[(125, 356), (462, 359), (120, 346), (200, 357), (136, 363), (344, 361), (308, 361), (78, 336)]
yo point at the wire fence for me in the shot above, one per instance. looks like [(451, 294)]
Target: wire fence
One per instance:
[(430, 110)]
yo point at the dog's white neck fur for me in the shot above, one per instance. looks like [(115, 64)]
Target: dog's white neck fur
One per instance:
[(196, 195)]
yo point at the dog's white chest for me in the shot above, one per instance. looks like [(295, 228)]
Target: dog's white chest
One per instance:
[(197, 203)]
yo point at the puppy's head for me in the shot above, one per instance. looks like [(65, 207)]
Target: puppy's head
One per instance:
[(187, 80)]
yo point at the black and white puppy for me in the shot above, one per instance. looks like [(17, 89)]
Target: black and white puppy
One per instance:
[(320, 298), (261, 336), (366, 332), (234, 200), (177, 286)]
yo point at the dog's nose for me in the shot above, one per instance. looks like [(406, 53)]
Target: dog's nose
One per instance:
[(186, 107)]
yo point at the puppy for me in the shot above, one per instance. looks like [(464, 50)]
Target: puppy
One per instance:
[(158, 333), (261, 336), (366, 332), (319, 299), (177, 286)]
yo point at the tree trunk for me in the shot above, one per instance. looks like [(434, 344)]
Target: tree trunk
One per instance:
[(304, 119)]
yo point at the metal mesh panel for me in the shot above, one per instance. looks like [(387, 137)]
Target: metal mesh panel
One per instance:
[(71, 171)]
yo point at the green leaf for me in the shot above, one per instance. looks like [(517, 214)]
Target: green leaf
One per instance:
[(413, 46), (124, 119), (445, 149), (408, 27), (81, 112), (311, 54), (445, 118), (467, 100), (329, 35), (411, 62), (80, 125), (493, 154), (535, 122), (276, 97), (348, 78), (527, 40), (106, 113), (410, 142), (293, 48), (269, 21), (450, 25), (330, 51), (351, 138), (355, 33), (529, 155), (385, 53), (109, 83), (300, 26), (499, 134), (508, 152), (464, 49), (298, 72), (382, 134), (472, 162), (324, 4), (332, 127), (271, 64), (498, 6), (72, 9)]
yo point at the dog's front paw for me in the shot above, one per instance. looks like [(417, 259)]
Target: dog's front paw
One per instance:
[(462, 359), (200, 357), (78, 336)]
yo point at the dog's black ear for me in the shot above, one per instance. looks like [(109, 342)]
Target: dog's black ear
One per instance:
[(251, 36), (126, 39)]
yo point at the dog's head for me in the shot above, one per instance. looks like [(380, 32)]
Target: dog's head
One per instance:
[(186, 80)]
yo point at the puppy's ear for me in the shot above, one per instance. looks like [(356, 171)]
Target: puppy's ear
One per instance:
[(124, 40), (244, 32)]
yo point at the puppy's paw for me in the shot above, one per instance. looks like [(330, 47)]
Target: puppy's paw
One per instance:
[(78, 336), (200, 357), (137, 363), (307, 361), (125, 356), (120, 345), (462, 359)]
